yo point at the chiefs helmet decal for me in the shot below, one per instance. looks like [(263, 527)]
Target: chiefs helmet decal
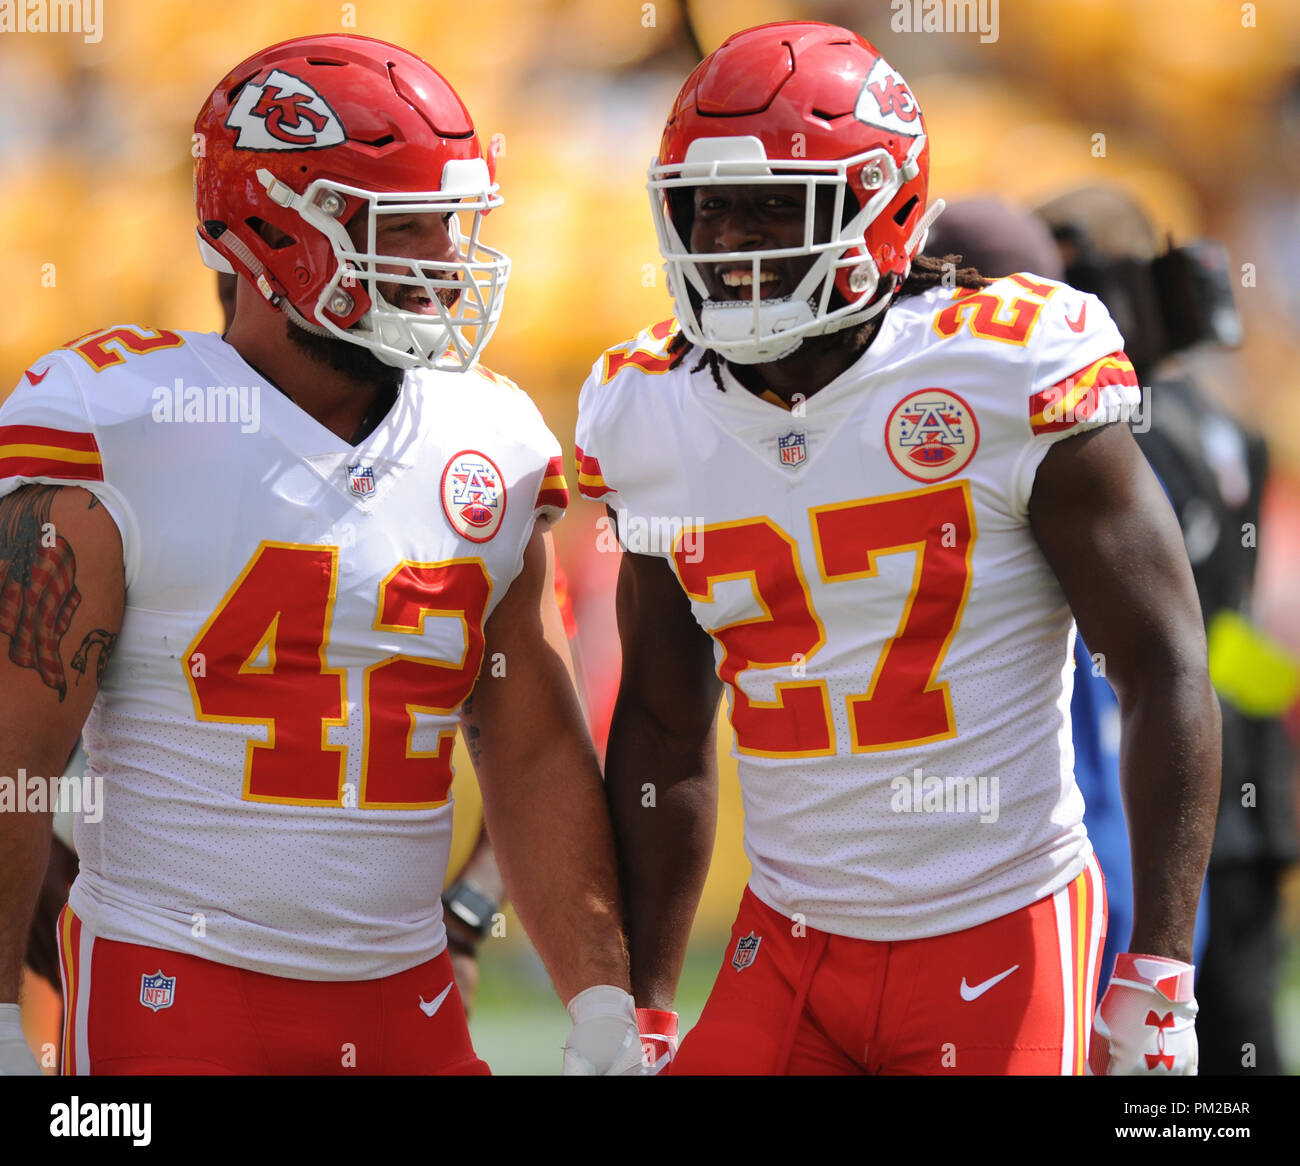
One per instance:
[(887, 102), (285, 113)]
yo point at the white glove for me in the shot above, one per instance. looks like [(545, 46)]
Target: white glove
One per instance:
[(16, 1058), (1146, 1022), (604, 1040)]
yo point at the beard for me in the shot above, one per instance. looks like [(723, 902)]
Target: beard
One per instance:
[(352, 360)]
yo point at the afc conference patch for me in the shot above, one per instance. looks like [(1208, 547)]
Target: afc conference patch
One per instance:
[(746, 951), (931, 435), (473, 495), (157, 991)]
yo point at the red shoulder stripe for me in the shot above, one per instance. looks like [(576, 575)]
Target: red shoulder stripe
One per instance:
[(40, 435), (591, 483), (18, 467), (1077, 397), (557, 498)]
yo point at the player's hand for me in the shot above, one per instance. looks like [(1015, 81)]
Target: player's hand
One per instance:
[(1146, 1020), (16, 1058), (658, 1037), (462, 947), (604, 1041), (464, 966)]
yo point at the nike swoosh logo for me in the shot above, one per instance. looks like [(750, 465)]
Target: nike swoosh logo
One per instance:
[(969, 993), (36, 380), (433, 1005), (1077, 325)]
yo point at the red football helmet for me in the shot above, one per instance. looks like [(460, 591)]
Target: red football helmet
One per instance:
[(309, 133), (795, 103)]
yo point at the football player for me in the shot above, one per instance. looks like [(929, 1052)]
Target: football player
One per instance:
[(870, 495), (274, 570)]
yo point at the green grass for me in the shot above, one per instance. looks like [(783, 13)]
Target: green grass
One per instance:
[(519, 1024)]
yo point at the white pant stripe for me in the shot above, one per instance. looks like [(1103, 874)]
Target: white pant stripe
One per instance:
[(1065, 946), (80, 1027), (1096, 934)]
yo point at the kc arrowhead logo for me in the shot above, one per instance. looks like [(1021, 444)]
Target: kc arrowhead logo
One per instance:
[(886, 102), (284, 113)]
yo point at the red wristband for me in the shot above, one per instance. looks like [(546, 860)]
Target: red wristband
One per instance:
[(656, 1024)]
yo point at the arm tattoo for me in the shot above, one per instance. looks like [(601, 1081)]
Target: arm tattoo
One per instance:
[(472, 736), (102, 639), (472, 733), (38, 584)]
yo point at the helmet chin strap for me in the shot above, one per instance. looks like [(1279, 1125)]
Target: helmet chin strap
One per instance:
[(774, 347), (731, 325), (917, 239), (302, 322), (218, 262)]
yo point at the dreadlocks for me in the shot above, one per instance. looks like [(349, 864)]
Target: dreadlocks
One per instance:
[(928, 271), (931, 271)]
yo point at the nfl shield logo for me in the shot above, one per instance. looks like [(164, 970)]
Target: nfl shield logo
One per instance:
[(361, 480), (793, 449), (157, 991), (746, 950)]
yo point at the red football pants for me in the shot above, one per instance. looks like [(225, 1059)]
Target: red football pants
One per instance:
[(1011, 996), (208, 1018)]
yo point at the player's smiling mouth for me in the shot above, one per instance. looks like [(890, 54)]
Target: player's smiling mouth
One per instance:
[(409, 299), (735, 281)]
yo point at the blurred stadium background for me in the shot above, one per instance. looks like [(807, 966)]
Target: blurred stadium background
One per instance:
[(1201, 117)]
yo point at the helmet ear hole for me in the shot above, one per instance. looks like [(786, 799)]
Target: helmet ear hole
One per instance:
[(272, 236), (904, 212)]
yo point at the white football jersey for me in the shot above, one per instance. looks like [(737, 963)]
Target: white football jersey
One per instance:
[(303, 620), (896, 648)]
